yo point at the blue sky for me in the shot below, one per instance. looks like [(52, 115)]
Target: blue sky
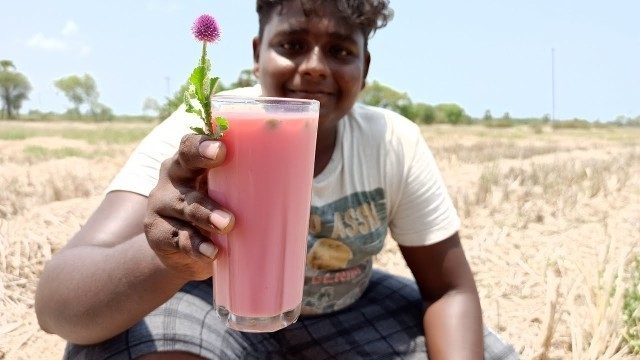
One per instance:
[(483, 55)]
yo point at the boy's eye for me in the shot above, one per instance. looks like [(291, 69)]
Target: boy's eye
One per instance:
[(292, 46), (340, 52)]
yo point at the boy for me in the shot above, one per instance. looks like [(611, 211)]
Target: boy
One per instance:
[(134, 282)]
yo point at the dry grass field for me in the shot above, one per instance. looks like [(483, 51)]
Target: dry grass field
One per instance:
[(551, 219)]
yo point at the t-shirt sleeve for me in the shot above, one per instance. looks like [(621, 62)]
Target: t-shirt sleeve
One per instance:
[(140, 173), (423, 213)]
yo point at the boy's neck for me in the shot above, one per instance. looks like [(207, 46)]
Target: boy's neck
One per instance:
[(325, 146)]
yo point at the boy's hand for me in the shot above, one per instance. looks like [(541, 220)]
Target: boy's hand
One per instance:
[(180, 215)]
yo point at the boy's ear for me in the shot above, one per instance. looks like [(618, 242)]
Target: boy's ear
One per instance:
[(256, 57), (367, 61)]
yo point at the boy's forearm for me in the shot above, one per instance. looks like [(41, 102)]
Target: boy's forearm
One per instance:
[(453, 327), (80, 298)]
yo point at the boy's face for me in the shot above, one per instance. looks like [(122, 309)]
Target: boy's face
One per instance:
[(315, 57)]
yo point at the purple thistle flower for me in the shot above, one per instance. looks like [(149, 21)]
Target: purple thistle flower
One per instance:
[(206, 29)]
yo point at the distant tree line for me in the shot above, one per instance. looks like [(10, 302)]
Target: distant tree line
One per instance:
[(380, 95), (82, 92), (383, 96)]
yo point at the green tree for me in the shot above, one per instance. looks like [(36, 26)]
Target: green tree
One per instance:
[(487, 116), (6, 65), (172, 103), (453, 113), (245, 79), (14, 89), (101, 112), (424, 113), (376, 94), (80, 90), (151, 104)]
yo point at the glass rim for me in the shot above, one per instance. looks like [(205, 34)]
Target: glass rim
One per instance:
[(266, 100)]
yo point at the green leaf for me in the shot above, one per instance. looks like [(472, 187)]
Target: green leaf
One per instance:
[(197, 76), (187, 100), (222, 123), (213, 83), (221, 126), (198, 130), (189, 106), (197, 80), (195, 111)]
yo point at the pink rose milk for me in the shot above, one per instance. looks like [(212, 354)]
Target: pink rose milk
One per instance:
[(266, 182)]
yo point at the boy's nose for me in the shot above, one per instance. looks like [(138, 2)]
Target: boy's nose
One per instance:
[(314, 64)]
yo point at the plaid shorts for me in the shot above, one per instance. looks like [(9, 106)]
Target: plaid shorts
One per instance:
[(385, 323)]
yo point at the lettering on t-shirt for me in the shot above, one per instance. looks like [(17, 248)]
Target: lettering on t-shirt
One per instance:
[(343, 237), (350, 222), (357, 214), (337, 276)]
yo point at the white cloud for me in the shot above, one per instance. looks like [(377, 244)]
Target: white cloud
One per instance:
[(67, 42), (70, 28), (40, 41)]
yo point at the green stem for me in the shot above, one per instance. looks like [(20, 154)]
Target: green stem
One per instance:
[(203, 58), (206, 105)]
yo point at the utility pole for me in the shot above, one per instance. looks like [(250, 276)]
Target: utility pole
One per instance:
[(553, 84)]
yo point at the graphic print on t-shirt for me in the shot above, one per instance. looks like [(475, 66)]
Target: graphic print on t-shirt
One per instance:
[(343, 237)]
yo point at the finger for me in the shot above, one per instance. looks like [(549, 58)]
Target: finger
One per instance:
[(168, 236), (195, 208), (208, 249), (195, 154)]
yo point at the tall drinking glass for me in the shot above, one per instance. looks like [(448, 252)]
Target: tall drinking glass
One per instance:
[(266, 182)]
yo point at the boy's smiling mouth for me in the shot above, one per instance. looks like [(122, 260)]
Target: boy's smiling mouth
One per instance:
[(316, 94)]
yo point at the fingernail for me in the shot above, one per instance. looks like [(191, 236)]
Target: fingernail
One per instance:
[(208, 249), (209, 149), (220, 219)]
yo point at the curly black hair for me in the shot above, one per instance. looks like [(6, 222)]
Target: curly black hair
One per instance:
[(368, 15)]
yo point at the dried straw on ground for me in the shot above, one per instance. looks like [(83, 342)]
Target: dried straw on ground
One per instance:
[(550, 222)]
